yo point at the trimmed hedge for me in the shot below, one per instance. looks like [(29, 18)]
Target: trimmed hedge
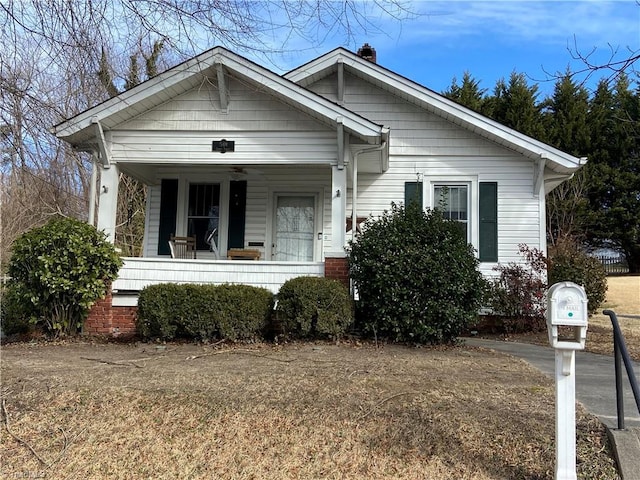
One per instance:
[(233, 312), (314, 307)]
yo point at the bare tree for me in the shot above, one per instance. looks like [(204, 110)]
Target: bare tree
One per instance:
[(617, 62), (565, 204), (51, 59), (190, 26)]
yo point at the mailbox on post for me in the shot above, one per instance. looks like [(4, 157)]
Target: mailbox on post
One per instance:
[(567, 307), (567, 316)]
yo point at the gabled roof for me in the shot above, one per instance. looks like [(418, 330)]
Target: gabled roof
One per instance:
[(190, 74), (435, 103)]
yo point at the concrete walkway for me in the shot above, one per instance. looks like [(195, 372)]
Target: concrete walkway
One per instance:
[(595, 389)]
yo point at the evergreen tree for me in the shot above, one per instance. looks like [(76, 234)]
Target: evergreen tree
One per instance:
[(565, 119), (614, 172), (515, 105), (468, 94), (566, 115)]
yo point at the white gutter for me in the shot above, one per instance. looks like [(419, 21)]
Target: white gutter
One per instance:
[(354, 187), (92, 191), (102, 143)]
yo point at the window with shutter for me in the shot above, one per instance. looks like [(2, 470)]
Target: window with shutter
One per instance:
[(413, 193), (488, 222)]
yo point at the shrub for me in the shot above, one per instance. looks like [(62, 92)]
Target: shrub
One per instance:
[(233, 312), (16, 316), (416, 276), (568, 262), (314, 307), (517, 295), (61, 269), (244, 311)]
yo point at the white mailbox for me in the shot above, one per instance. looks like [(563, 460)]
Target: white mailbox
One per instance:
[(567, 307), (567, 324)]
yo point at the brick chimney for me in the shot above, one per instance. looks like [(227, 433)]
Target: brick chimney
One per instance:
[(368, 53)]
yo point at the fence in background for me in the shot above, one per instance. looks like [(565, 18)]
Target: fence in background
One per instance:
[(613, 265)]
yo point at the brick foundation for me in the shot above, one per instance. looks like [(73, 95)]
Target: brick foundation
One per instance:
[(338, 268), (105, 319)]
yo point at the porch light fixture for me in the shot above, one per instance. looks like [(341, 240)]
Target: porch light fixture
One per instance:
[(223, 146)]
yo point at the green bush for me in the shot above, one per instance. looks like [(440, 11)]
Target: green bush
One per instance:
[(233, 312), (314, 307), (61, 269), (416, 276), (568, 262), (15, 315), (244, 311)]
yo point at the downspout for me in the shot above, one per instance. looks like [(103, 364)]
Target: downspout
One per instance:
[(92, 191), (354, 186)]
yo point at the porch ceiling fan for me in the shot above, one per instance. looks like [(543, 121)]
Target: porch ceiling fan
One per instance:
[(243, 172)]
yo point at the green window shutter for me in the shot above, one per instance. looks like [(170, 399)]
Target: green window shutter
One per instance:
[(488, 224), (168, 211), (413, 192), (237, 213)]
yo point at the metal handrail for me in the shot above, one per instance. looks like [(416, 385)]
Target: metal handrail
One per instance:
[(620, 352)]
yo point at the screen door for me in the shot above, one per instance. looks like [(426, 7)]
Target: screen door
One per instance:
[(295, 227)]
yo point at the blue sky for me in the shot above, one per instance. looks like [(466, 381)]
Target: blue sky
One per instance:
[(493, 39)]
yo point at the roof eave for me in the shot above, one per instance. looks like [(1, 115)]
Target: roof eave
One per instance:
[(291, 93), (442, 106)]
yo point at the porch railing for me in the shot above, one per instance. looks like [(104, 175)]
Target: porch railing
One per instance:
[(137, 273)]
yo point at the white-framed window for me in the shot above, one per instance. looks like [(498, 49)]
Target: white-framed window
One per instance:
[(473, 204), (203, 214), (457, 196), (454, 201)]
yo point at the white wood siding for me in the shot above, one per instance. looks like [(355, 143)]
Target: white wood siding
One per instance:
[(424, 146), (199, 110), (265, 131)]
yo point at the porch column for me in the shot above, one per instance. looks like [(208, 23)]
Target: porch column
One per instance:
[(108, 201), (338, 208)]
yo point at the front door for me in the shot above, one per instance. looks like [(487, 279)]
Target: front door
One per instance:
[(295, 227)]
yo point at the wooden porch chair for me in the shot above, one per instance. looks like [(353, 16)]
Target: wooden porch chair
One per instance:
[(182, 247)]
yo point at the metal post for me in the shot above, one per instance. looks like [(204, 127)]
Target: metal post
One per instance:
[(617, 356)]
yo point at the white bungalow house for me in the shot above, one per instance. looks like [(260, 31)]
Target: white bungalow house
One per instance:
[(274, 167)]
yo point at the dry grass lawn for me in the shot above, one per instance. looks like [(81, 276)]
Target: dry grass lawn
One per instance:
[(303, 411), (295, 411)]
